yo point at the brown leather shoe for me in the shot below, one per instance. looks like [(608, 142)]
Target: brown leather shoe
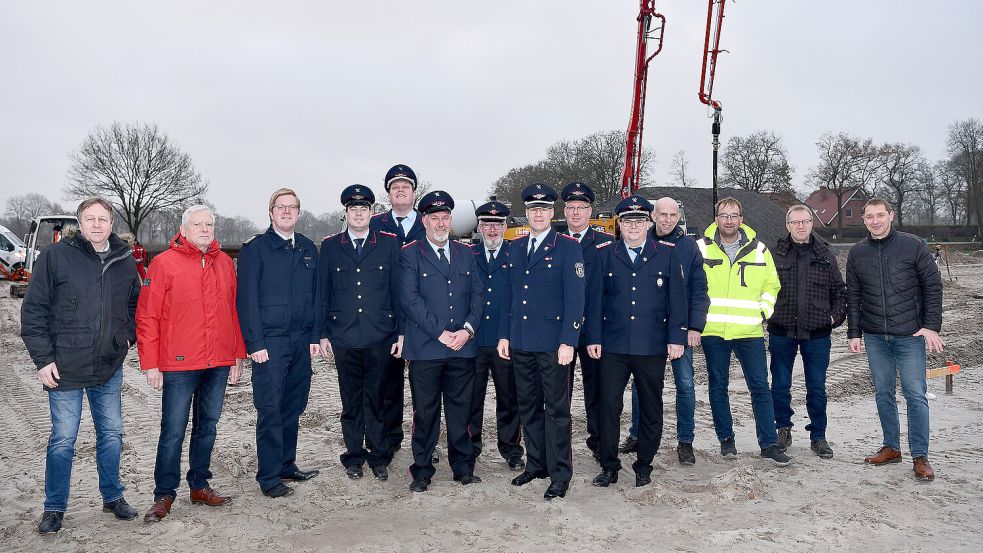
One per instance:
[(923, 470), (884, 456), (208, 497), (160, 509)]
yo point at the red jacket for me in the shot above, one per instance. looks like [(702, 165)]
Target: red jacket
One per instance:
[(186, 315)]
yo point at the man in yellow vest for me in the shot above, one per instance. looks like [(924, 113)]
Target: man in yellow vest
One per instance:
[(742, 283)]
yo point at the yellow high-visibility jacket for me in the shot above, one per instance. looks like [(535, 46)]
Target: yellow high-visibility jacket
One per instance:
[(742, 294)]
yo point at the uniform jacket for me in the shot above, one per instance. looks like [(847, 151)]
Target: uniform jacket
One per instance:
[(436, 298), (384, 221), (742, 294), (546, 294), (186, 316), (357, 296), (79, 311), (495, 281), (588, 246), (637, 308), (812, 300), (893, 286), (276, 291), (696, 278)]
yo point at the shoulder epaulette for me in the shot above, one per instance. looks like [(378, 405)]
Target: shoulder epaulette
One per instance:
[(604, 233), (387, 233), (603, 245), (408, 245), (568, 237), (670, 244), (248, 240), (380, 214)]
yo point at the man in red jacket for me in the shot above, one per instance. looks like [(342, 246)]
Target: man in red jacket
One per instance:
[(190, 345)]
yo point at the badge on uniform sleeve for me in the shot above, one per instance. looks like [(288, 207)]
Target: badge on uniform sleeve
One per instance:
[(576, 325), (658, 282), (579, 268), (146, 282)]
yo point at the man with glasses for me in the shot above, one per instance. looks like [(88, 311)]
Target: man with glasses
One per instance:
[(577, 201), (359, 322), (275, 300), (406, 223), (637, 318), (546, 300), (743, 285), (810, 304), (492, 259)]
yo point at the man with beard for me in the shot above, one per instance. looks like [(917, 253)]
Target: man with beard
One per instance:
[(442, 300), (492, 258), (359, 321)]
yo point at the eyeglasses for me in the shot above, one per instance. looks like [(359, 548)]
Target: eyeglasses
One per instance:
[(538, 210), (287, 208), (576, 208), (489, 224), (801, 223), (729, 216), (633, 223)]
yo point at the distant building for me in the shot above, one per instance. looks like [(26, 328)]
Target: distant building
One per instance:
[(823, 203)]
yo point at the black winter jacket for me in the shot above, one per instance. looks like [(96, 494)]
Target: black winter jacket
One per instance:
[(893, 286), (812, 301), (79, 311)]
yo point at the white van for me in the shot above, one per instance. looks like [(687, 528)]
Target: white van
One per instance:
[(13, 251)]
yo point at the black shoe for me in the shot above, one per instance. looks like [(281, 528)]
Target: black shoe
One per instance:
[(606, 478), (419, 485), (821, 448), (526, 477), (556, 489), (380, 472), (642, 479), (466, 479), (515, 465), (685, 452), (630, 445), (728, 449), (784, 438), (301, 475), (776, 455), (280, 490), (121, 509), (50, 522), (354, 472)]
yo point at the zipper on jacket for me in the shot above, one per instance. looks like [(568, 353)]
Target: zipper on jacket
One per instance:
[(880, 271)]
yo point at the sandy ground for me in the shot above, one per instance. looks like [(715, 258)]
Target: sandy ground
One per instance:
[(742, 505)]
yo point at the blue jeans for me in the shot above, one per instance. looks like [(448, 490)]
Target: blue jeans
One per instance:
[(682, 373), (815, 360), (751, 354), (889, 356), (105, 404), (198, 393)]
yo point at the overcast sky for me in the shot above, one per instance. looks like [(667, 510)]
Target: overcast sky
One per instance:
[(318, 95)]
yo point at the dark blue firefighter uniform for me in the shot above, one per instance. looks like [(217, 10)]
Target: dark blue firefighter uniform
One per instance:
[(634, 310), (588, 365), (437, 296), (275, 300), (395, 378), (495, 280), (360, 318), (547, 309)]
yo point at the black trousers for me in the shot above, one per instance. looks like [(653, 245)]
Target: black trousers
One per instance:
[(589, 368), (450, 381), (361, 373), (509, 430), (392, 403), (543, 387), (649, 372)]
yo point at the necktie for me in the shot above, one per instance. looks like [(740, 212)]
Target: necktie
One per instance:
[(638, 252), (358, 246), (532, 247), (399, 221), (440, 253), (576, 236), (491, 255), (290, 243)]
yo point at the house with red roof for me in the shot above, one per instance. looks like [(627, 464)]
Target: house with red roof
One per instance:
[(823, 204)]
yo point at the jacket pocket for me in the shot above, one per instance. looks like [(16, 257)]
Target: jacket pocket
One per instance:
[(273, 309)]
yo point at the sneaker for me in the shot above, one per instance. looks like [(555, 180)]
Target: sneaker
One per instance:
[(776, 455), (630, 445), (728, 449), (821, 448), (784, 438), (685, 452)]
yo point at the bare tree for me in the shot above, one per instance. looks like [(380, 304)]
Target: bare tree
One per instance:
[(680, 170), (758, 162), (138, 168), (904, 169), (965, 149), (952, 189), (382, 197), (928, 195), (846, 163), (21, 210)]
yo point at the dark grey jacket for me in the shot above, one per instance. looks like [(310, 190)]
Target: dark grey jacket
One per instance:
[(812, 300), (893, 287), (79, 311)]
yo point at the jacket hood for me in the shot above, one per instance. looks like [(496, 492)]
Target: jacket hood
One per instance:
[(116, 244), (178, 242)]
